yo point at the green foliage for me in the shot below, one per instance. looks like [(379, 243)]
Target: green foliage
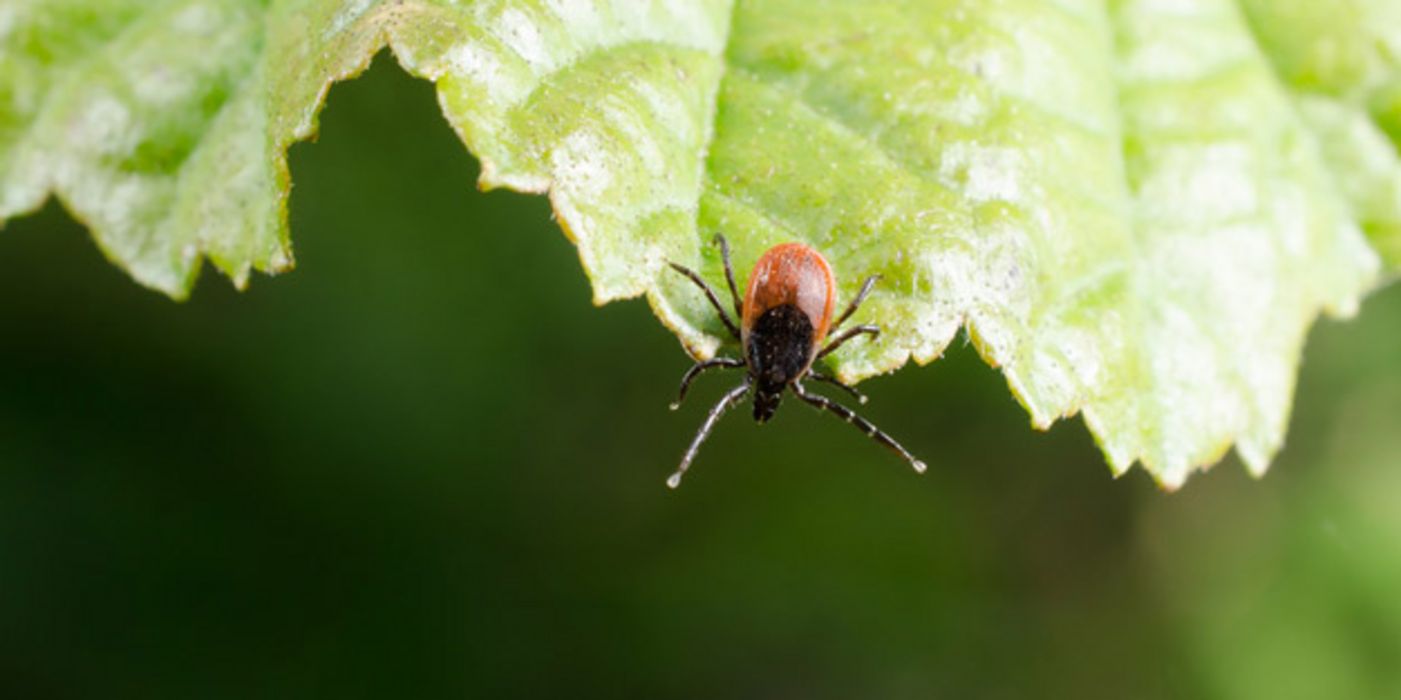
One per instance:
[(1136, 208)]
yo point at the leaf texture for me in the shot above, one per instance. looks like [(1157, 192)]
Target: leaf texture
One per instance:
[(1136, 208)]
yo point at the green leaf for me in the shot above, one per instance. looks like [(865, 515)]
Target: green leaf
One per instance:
[(1136, 208), (1342, 61)]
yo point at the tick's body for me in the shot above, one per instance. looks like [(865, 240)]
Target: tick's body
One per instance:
[(787, 310), (785, 316)]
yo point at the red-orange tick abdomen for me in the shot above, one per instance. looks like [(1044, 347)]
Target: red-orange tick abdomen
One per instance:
[(792, 274)]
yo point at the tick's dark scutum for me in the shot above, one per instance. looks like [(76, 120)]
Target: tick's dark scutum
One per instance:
[(779, 349)]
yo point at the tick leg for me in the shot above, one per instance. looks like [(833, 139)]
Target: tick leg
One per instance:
[(696, 370), (814, 374), (709, 294), (730, 274), (735, 394), (850, 416), (846, 335), (856, 303)]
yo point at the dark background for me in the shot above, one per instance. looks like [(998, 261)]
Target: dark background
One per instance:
[(423, 465)]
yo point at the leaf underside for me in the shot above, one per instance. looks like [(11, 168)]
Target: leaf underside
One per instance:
[(1135, 208)]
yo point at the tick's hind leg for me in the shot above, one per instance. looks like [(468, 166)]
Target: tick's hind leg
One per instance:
[(866, 426), (730, 274), (696, 370), (735, 395), (856, 303), (846, 335), (709, 294)]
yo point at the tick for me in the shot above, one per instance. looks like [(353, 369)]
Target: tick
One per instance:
[(785, 317)]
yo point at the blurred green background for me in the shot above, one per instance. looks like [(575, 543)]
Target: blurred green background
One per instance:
[(423, 465)]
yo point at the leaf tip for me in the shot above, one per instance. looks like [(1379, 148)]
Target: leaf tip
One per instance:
[(1257, 460), (698, 344)]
